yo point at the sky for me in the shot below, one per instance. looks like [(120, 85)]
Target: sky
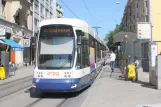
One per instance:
[(103, 13)]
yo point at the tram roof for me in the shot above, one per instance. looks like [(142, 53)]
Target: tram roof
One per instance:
[(73, 22), (68, 21)]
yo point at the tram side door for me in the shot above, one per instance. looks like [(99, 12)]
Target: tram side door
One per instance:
[(83, 58)]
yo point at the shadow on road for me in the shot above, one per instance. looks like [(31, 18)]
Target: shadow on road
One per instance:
[(143, 84), (57, 95), (146, 84)]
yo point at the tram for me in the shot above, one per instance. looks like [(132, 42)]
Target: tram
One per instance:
[(69, 55)]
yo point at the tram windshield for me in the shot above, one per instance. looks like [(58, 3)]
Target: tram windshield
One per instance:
[(56, 47)]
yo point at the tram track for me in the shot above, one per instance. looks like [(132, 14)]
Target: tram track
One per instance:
[(14, 83), (16, 86), (22, 87)]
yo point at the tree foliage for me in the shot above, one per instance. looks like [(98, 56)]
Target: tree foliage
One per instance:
[(110, 34)]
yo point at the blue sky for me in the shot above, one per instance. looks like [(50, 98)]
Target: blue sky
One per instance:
[(104, 13)]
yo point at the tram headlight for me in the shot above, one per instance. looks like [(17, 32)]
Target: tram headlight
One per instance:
[(67, 74), (39, 74)]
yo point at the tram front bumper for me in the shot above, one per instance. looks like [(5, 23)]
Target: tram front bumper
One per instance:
[(56, 85)]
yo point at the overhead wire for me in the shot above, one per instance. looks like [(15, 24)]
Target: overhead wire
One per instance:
[(87, 8), (69, 9)]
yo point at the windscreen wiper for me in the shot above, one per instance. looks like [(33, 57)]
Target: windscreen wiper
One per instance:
[(68, 60)]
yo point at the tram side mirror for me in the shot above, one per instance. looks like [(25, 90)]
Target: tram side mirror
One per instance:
[(79, 33), (79, 36)]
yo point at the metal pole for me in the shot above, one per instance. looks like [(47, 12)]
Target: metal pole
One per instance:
[(96, 27), (150, 42), (33, 5), (126, 53), (97, 31), (33, 17), (0, 7)]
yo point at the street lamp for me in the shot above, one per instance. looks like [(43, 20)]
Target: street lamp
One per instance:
[(96, 27), (117, 2), (126, 36)]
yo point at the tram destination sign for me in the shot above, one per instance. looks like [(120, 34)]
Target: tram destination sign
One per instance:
[(57, 30), (52, 30)]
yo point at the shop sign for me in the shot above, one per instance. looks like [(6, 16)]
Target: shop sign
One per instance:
[(7, 29), (17, 49), (2, 31), (26, 42), (28, 36)]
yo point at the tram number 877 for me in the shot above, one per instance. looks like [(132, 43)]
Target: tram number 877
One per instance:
[(53, 73)]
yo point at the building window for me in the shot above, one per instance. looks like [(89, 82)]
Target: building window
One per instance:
[(17, 19), (51, 15), (26, 23), (146, 3), (3, 6), (36, 6), (51, 1), (47, 13), (146, 18), (36, 22), (42, 9), (137, 15)]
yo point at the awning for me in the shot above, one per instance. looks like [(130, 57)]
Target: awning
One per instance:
[(2, 42), (116, 44), (15, 46)]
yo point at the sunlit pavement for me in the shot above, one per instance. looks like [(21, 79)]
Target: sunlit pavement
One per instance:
[(19, 74), (114, 92)]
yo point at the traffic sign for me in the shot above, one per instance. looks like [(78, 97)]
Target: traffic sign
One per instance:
[(144, 30), (26, 42)]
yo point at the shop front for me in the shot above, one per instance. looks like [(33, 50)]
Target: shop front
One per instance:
[(7, 53), (17, 34)]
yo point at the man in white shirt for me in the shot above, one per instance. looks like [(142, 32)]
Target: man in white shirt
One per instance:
[(112, 61)]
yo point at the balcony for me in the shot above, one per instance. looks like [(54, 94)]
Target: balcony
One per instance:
[(59, 15), (59, 9)]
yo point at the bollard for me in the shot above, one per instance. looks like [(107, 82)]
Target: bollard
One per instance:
[(2, 73), (157, 74)]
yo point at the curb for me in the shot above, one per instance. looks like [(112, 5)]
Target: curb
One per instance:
[(13, 81)]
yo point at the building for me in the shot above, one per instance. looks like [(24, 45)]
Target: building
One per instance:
[(43, 9), (59, 10), (16, 23), (140, 11), (135, 11)]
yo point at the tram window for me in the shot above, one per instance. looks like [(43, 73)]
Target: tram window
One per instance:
[(98, 51), (83, 56), (95, 50)]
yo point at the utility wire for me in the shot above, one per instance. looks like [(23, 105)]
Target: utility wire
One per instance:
[(87, 7), (69, 9)]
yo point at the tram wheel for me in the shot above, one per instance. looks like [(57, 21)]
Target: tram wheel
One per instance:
[(35, 94)]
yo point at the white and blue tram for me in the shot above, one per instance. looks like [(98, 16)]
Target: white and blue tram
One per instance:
[(69, 55)]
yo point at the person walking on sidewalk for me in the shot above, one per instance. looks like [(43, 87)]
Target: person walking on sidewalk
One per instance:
[(112, 61), (136, 63)]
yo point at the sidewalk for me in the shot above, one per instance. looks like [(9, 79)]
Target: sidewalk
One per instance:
[(115, 92), (22, 72)]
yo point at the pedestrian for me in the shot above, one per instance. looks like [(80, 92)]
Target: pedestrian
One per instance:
[(112, 60), (136, 63)]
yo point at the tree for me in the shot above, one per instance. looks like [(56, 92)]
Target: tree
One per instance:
[(110, 34)]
